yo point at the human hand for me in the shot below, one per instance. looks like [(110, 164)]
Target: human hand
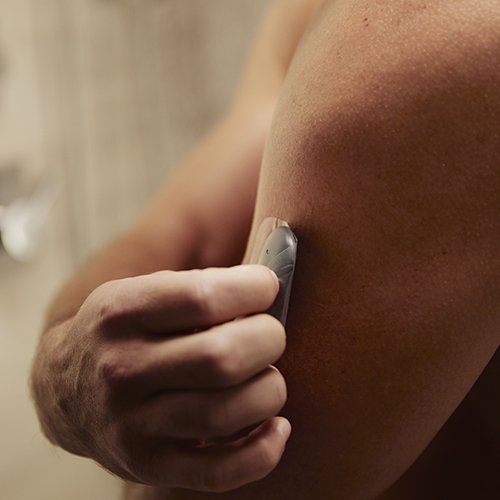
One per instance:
[(151, 367)]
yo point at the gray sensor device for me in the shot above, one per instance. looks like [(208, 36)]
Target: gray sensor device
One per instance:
[(279, 254)]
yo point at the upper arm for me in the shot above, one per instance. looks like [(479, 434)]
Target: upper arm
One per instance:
[(384, 159)]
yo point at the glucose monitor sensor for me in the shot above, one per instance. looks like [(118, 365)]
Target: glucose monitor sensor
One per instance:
[(279, 254)]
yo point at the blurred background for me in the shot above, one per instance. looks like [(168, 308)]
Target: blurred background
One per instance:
[(99, 101)]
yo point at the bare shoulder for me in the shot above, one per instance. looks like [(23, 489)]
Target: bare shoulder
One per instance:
[(370, 49)]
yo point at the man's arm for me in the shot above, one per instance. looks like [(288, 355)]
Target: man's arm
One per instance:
[(121, 374), (120, 371)]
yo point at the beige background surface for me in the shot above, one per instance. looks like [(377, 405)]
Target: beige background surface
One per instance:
[(109, 95)]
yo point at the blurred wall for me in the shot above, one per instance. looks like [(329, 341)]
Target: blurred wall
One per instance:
[(128, 87), (110, 95)]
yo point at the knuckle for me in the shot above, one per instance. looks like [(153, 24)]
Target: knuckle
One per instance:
[(112, 369), (221, 360), (206, 303), (106, 304), (214, 421)]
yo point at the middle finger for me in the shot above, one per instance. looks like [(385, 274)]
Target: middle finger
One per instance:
[(213, 414)]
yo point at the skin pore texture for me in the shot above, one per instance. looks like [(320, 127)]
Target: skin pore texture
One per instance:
[(383, 158), (386, 167)]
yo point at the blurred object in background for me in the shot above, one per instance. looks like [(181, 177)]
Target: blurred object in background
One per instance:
[(23, 218)]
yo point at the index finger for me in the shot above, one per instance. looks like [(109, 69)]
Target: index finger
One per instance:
[(173, 301)]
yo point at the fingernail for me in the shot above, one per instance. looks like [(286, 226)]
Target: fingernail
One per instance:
[(285, 429), (276, 280)]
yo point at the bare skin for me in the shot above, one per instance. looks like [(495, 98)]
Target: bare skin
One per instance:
[(392, 185), (383, 158)]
